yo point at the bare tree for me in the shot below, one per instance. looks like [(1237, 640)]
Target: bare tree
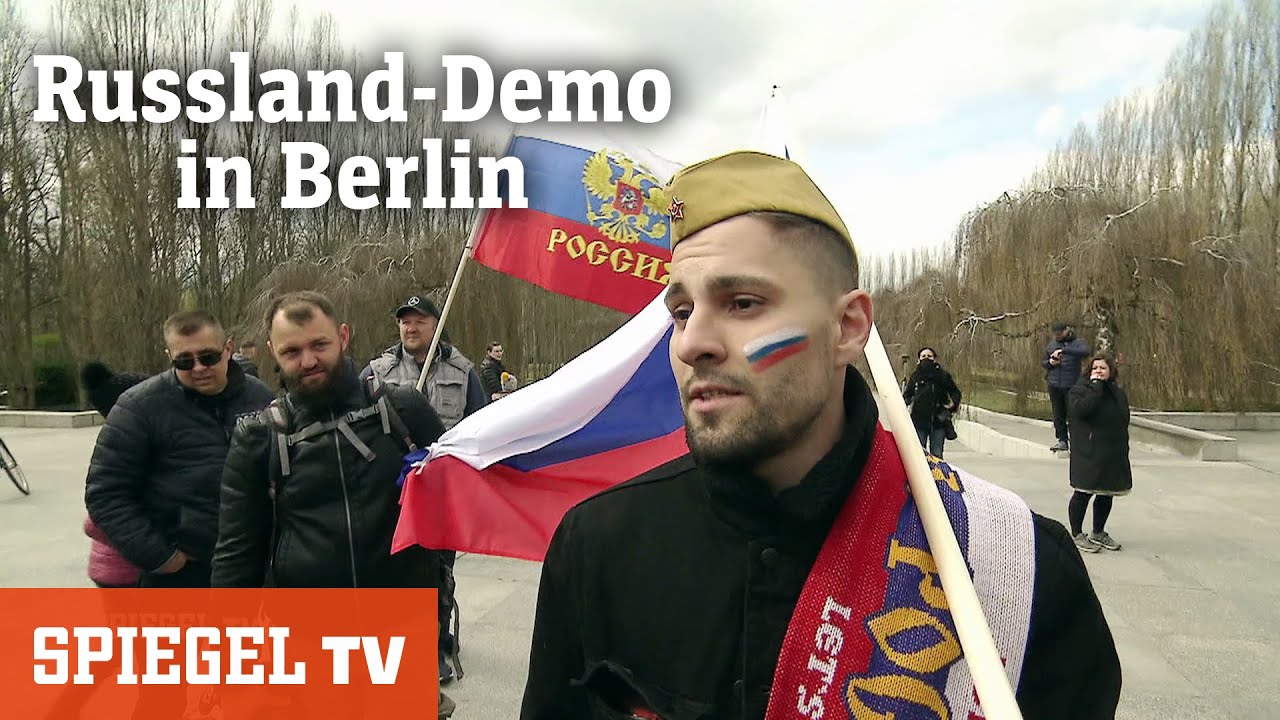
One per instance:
[(1155, 231)]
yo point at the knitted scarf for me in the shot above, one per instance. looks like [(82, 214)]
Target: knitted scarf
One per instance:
[(872, 636)]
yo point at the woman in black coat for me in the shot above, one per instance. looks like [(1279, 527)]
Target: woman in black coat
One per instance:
[(933, 396), (1099, 427)]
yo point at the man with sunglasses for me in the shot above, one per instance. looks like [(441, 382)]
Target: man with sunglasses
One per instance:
[(154, 479)]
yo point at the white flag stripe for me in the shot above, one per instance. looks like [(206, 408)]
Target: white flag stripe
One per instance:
[(561, 403), (779, 335)]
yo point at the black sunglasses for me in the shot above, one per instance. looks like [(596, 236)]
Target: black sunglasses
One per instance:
[(207, 358)]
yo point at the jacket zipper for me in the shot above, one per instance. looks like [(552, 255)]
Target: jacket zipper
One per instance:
[(346, 504)]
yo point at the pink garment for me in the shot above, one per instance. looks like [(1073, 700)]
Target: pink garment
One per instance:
[(106, 565)]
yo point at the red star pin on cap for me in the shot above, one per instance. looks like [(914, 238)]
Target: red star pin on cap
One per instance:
[(676, 209)]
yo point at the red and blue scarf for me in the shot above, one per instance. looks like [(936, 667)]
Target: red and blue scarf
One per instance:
[(871, 636)]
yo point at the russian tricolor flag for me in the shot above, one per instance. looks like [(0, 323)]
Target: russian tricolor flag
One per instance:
[(499, 482)]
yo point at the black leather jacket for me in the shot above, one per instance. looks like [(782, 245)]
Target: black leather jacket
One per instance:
[(336, 513)]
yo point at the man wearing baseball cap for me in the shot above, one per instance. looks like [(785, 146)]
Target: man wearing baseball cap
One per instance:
[(454, 390), (780, 568), (453, 385)]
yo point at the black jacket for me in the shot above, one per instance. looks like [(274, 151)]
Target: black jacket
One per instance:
[(104, 387), (1099, 413), (928, 391), (336, 513), (680, 585), (153, 480)]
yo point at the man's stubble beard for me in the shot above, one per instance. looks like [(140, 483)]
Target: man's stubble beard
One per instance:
[(779, 419)]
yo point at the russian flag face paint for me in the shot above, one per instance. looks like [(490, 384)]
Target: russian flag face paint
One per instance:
[(768, 350)]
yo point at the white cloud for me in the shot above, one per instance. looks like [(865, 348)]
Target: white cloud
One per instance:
[(1050, 123), (888, 210)]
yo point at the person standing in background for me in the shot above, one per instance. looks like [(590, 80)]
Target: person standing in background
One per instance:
[(455, 391), (494, 374), (1062, 359), (933, 396), (1100, 466)]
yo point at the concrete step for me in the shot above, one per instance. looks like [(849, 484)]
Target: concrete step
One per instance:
[(1006, 435), (47, 419)]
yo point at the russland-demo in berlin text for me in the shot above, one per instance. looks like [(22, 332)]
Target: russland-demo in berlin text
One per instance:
[(61, 86)]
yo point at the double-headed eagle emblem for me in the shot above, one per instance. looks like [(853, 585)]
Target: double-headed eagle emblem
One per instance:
[(624, 201)]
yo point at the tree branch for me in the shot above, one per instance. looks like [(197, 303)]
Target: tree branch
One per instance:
[(1265, 365), (973, 321), (1111, 218)]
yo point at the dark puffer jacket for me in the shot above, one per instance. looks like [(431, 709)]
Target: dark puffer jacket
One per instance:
[(153, 480), (336, 513), (1099, 412)]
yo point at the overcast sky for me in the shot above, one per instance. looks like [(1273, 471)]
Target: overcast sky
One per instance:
[(909, 113)]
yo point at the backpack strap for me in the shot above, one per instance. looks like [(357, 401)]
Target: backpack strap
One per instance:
[(391, 423), (341, 425), (365, 451), (276, 417)]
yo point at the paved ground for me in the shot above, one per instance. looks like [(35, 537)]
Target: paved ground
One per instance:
[(1259, 449), (1193, 598)]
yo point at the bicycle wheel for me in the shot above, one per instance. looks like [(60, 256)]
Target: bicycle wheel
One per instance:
[(15, 473)]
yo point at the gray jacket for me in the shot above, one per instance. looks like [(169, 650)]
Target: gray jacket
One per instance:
[(453, 387)]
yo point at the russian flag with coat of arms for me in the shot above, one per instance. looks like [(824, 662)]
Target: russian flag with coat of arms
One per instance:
[(596, 226)]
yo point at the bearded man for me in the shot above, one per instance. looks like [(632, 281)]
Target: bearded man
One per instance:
[(336, 499)]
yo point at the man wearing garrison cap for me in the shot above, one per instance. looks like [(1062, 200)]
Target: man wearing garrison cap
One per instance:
[(780, 568)]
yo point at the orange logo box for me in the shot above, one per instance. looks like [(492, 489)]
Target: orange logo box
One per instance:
[(218, 654)]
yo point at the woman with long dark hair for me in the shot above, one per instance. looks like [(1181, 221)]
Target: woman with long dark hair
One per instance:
[(1099, 427)]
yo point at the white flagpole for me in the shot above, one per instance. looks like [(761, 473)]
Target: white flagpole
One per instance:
[(989, 678), (467, 251), (976, 640)]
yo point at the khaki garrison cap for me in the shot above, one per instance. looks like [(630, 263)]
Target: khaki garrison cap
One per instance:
[(741, 182)]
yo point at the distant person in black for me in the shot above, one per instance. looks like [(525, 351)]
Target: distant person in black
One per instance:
[(933, 396), (492, 370), (246, 357)]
